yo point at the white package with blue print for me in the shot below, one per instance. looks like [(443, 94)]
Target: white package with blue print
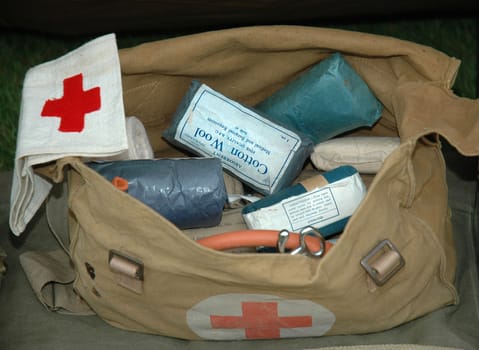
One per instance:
[(261, 153), (324, 201), (190, 192)]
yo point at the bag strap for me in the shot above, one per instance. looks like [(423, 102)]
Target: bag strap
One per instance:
[(56, 213), (429, 108), (51, 274)]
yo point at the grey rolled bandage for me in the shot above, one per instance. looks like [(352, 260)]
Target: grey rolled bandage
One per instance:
[(190, 192)]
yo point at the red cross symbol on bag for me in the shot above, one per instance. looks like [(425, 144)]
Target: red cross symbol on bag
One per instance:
[(260, 320), (257, 316), (74, 105)]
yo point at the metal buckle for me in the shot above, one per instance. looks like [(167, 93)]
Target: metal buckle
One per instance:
[(383, 262)]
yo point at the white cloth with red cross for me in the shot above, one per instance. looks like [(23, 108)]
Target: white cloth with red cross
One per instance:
[(71, 106)]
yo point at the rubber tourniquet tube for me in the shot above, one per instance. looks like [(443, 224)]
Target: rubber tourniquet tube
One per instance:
[(257, 238)]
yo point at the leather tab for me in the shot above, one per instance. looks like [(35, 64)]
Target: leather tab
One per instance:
[(383, 262), (128, 271)]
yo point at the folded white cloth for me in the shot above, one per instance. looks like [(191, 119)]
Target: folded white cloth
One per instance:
[(365, 153), (71, 106), (139, 146)]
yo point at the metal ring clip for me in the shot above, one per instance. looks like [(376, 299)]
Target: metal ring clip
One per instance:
[(303, 246), (310, 231), (283, 237)]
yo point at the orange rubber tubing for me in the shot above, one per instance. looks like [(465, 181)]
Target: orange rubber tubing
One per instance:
[(258, 238)]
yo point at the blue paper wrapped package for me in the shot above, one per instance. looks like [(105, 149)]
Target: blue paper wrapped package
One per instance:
[(327, 100), (325, 201), (190, 192), (263, 154)]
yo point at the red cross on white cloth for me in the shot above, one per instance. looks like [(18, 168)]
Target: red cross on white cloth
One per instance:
[(260, 320), (72, 105), (257, 316)]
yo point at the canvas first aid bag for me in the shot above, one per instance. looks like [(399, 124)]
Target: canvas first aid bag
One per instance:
[(395, 260)]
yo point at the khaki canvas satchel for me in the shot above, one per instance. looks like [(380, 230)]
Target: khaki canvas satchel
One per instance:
[(395, 260)]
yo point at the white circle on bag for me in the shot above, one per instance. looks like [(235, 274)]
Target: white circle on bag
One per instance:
[(258, 316)]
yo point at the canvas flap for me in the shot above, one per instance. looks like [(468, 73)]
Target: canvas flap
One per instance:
[(248, 64)]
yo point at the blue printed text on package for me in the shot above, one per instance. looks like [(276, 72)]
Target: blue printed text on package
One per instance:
[(249, 145)]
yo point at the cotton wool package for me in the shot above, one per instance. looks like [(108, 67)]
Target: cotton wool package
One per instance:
[(261, 153)]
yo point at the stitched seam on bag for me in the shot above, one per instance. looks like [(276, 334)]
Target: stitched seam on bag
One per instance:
[(442, 258), (139, 87), (450, 74), (72, 194), (152, 88), (75, 232), (412, 180), (367, 62), (385, 122), (444, 80)]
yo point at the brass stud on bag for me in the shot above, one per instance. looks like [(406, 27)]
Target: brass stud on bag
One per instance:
[(383, 262)]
